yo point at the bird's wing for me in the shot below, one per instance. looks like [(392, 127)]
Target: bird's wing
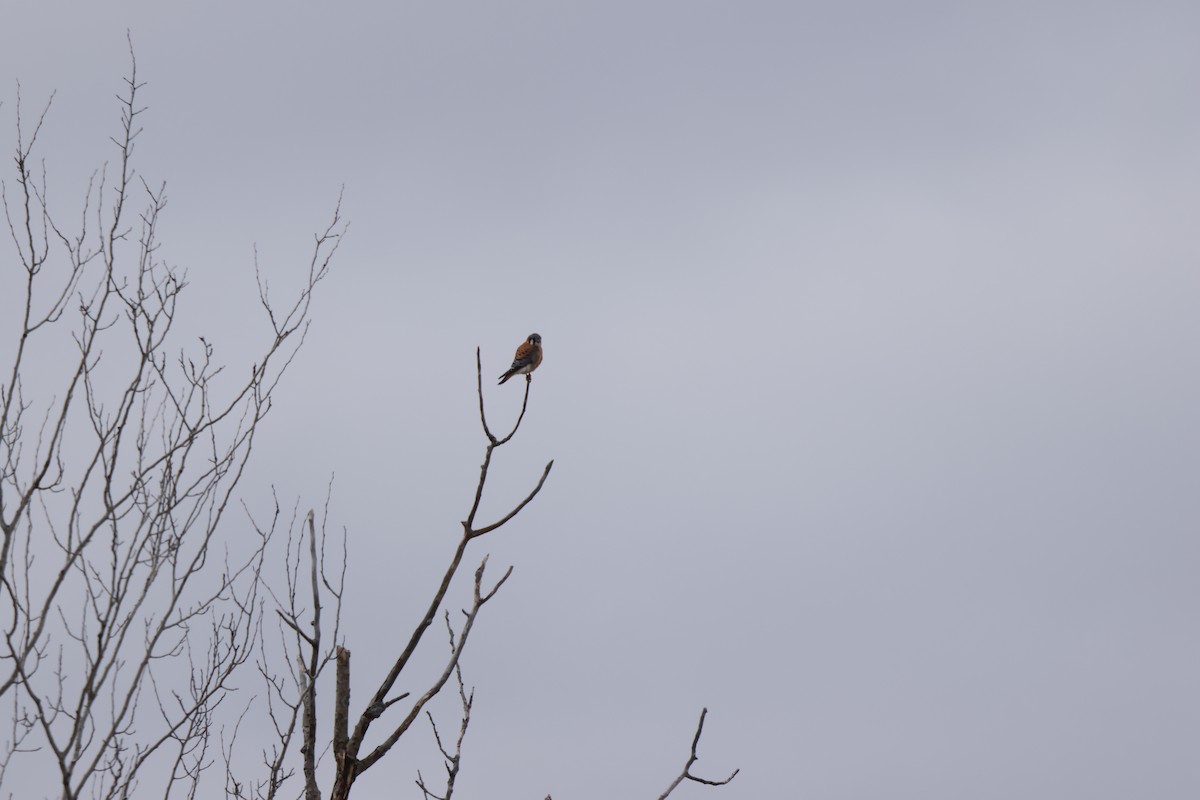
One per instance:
[(526, 354)]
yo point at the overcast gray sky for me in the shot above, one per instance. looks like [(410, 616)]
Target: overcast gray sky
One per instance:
[(871, 377)]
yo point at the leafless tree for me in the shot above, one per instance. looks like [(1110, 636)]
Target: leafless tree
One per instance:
[(125, 610), (303, 614), (351, 756), (124, 615)]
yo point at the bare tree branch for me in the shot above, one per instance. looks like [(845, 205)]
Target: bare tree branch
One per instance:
[(686, 774), (341, 709), (352, 765), (308, 688)]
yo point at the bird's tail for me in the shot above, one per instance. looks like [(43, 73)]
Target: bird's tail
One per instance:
[(506, 376)]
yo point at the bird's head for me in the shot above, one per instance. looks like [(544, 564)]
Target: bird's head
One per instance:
[(534, 338)]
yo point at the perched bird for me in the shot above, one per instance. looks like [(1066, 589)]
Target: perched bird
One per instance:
[(527, 359)]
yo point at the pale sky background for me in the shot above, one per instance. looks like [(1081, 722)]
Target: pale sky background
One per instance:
[(871, 376)]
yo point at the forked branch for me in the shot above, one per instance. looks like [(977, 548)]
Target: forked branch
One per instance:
[(686, 774), (349, 764), (483, 417)]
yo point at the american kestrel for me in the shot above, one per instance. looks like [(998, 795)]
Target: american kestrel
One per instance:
[(527, 359)]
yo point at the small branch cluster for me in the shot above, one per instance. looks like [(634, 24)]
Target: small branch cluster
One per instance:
[(451, 761)]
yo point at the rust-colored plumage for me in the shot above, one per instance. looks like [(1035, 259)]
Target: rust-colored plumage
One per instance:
[(527, 358)]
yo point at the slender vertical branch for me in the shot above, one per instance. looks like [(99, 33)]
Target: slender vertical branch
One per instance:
[(309, 673), (341, 708), (308, 731)]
